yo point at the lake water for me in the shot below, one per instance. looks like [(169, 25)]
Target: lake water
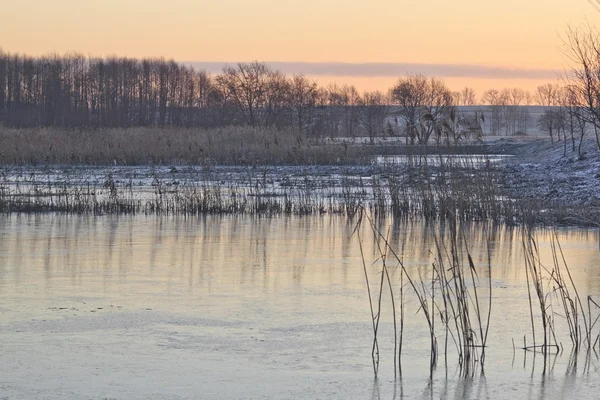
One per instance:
[(241, 307)]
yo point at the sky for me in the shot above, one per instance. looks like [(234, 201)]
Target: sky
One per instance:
[(477, 43)]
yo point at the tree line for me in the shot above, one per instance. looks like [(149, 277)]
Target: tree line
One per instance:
[(75, 91)]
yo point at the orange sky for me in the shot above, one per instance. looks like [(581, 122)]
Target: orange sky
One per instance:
[(503, 33)]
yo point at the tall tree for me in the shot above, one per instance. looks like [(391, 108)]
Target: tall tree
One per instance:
[(423, 104)]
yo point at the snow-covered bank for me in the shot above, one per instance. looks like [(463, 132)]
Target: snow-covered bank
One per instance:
[(544, 172)]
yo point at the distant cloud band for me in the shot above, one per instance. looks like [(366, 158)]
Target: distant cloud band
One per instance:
[(393, 69)]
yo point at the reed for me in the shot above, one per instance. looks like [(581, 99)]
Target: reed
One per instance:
[(552, 289), (456, 302), (232, 145), (451, 188), (448, 293)]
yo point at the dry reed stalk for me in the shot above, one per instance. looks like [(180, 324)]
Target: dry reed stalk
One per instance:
[(443, 293)]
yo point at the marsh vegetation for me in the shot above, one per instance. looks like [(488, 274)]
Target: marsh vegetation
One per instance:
[(153, 142)]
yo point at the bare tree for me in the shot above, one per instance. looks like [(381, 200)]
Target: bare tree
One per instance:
[(423, 105), (276, 108), (350, 110), (495, 100), (468, 97), (548, 95), (583, 49), (569, 106), (246, 87), (336, 100), (373, 112), (303, 98), (515, 112), (552, 120)]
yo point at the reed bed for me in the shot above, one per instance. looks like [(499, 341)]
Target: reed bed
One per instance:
[(455, 299), (434, 188), (554, 300), (162, 200), (448, 294), (232, 145), (462, 189)]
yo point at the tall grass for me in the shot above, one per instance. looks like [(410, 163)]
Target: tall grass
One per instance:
[(466, 189), (455, 300), (553, 292), (449, 292), (172, 146)]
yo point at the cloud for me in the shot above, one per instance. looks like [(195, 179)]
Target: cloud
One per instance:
[(393, 69)]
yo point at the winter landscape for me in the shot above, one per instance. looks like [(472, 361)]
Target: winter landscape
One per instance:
[(393, 227)]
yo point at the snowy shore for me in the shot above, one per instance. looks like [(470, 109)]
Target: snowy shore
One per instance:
[(551, 176)]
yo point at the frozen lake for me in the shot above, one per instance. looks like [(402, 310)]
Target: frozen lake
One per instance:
[(243, 307)]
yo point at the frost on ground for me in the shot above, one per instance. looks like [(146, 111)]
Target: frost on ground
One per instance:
[(544, 172)]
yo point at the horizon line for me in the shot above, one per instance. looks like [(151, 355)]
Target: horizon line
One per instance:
[(384, 69), (372, 69)]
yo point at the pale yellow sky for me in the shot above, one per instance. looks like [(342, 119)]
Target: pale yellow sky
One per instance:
[(506, 33), (480, 85)]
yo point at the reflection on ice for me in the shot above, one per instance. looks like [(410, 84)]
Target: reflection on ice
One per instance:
[(251, 307)]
